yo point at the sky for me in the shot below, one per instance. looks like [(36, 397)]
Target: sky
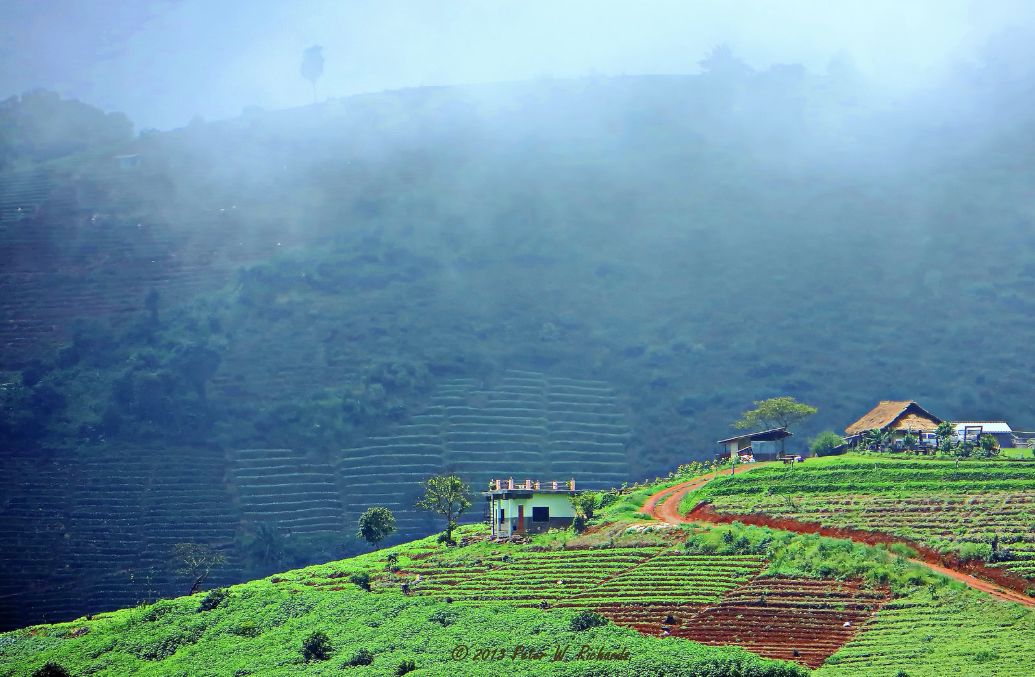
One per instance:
[(164, 62)]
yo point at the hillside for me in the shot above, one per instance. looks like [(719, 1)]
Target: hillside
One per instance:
[(255, 328), (672, 600), (976, 510)]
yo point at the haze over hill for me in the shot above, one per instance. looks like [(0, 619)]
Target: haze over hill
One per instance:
[(595, 274)]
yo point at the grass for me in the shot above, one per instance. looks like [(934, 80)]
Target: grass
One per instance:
[(1017, 453)]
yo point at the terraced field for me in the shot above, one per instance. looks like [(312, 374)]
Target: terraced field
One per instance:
[(525, 425), (104, 540), (965, 509), (712, 599), (948, 632), (564, 577), (946, 521), (673, 577), (288, 489), (802, 620)]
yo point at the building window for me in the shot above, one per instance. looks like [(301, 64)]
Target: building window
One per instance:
[(501, 515), (540, 514)]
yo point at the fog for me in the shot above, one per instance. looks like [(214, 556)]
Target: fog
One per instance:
[(164, 62)]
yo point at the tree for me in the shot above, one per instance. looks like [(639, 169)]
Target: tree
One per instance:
[(946, 433), (877, 439), (988, 446), (448, 496), (196, 561), (376, 524), (584, 504), (826, 443), (312, 65), (776, 412)]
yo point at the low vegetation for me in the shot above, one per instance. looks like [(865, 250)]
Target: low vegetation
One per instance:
[(980, 510)]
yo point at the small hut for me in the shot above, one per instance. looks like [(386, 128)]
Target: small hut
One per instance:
[(764, 445), (901, 417)]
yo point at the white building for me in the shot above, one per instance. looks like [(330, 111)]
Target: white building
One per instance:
[(971, 431)]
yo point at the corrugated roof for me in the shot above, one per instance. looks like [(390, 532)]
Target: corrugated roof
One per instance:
[(897, 414), (771, 434), (986, 426)]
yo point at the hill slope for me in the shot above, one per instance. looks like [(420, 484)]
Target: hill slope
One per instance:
[(673, 600), (597, 273)]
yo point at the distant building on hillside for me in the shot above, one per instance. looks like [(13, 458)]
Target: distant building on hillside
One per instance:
[(529, 506), (901, 417), (763, 445), (971, 431)]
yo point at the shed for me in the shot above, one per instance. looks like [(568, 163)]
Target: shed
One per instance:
[(971, 431), (767, 444), (529, 506)]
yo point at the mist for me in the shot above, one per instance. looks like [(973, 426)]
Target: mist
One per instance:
[(570, 239), (164, 62)]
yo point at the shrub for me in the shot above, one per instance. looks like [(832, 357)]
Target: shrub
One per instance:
[(246, 629), (51, 669), (827, 443), (213, 599), (316, 647), (406, 666), (361, 657), (443, 617), (587, 620), (361, 579)]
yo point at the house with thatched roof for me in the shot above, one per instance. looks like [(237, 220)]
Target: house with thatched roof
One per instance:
[(899, 417)]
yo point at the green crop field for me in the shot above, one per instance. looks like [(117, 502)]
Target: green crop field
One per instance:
[(933, 633), (978, 509), (717, 600)]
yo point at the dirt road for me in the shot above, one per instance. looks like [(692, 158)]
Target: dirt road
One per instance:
[(668, 511)]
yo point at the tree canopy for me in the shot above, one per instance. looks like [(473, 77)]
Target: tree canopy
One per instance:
[(376, 524), (776, 412), (448, 496)]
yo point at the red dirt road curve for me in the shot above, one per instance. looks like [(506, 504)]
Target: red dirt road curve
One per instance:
[(664, 506)]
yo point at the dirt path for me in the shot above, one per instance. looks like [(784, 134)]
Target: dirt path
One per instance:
[(668, 511)]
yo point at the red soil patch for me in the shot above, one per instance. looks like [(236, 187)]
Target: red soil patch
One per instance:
[(791, 619), (977, 575), (649, 618)]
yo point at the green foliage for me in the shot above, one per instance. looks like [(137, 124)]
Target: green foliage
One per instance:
[(946, 432), (376, 524), (361, 657), (584, 504), (316, 647), (361, 580), (811, 556), (448, 496), (775, 412), (587, 619), (405, 667), (950, 632), (444, 617), (51, 669), (213, 599), (196, 561), (826, 443), (988, 446)]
